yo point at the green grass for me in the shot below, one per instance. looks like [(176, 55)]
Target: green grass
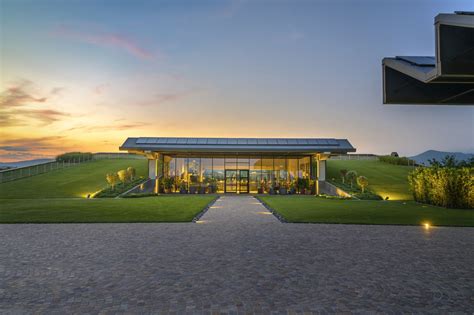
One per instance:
[(151, 209), (319, 210), (384, 179), (76, 181)]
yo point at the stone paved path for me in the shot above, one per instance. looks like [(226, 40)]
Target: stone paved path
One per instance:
[(239, 260)]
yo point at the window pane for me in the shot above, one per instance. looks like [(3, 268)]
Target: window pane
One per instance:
[(304, 167), (255, 167), (218, 173), (280, 170), (206, 174), (267, 173), (292, 164), (194, 170), (181, 172)]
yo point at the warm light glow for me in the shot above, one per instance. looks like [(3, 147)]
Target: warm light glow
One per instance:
[(264, 212), (201, 221), (215, 207), (426, 225)]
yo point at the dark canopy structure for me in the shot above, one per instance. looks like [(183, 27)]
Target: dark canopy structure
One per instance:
[(238, 145), (447, 78)]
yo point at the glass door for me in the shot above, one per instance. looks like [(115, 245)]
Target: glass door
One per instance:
[(230, 181), (243, 181)]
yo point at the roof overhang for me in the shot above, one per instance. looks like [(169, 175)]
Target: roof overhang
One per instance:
[(447, 78), (284, 146)]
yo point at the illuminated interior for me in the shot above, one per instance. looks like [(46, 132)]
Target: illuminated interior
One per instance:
[(235, 173)]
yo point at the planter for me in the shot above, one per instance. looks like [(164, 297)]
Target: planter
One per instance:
[(168, 190), (272, 191), (307, 192), (183, 191), (283, 191), (192, 189), (202, 190), (260, 190)]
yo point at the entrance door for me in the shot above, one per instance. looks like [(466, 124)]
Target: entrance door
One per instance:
[(230, 181), (236, 181), (243, 181)]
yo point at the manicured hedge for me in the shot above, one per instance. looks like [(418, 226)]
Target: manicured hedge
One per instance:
[(443, 186), (118, 189), (396, 160), (74, 157)]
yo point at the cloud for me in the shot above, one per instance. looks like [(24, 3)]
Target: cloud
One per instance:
[(28, 148), (17, 96), (105, 40), (108, 127), (13, 148), (15, 109)]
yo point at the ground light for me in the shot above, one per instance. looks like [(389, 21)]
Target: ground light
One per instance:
[(427, 225)]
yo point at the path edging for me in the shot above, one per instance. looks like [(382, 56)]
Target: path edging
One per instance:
[(200, 214), (275, 214)]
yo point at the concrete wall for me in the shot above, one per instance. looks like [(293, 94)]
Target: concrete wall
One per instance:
[(152, 169)]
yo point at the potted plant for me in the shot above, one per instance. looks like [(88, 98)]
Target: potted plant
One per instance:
[(309, 187), (168, 183), (261, 186), (212, 187), (292, 187), (202, 188), (283, 189), (183, 187)]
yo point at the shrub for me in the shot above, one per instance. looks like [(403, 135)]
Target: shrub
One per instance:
[(74, 157), (363, 182), (351, 177), (443, 186), (343, 173), (396, 160), (131, 172), (123, 176), (112, 179), (119, 189)]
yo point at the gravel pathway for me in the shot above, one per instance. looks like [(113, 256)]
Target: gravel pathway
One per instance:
[(236, 259)]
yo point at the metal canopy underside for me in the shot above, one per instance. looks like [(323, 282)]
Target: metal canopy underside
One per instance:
[(447, 78), (237, 145)]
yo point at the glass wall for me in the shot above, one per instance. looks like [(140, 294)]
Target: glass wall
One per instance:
[(266, 174)]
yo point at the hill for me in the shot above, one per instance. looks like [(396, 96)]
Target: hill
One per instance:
[(384, 179), (423, 158), (24, 163), (76, 181)]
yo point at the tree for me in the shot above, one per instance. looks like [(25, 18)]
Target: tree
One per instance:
[(343, 173), (112, 179), (131, 172), (351, 177), (123, 176), (363, 182)]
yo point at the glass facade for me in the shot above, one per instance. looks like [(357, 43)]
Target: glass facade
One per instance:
[(237, 174)]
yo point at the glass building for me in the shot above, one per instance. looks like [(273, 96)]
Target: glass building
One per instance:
[(237, 165)]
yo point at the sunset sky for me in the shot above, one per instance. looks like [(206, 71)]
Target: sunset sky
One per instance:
[(84, 75)]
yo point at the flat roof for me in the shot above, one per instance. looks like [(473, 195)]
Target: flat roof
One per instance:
[(237, 145)]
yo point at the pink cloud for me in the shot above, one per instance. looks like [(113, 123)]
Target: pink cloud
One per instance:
[(106, 40)]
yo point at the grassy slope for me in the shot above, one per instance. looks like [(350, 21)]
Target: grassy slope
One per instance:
[(384, 179), (151, 209), (319, 210), (76, 181)]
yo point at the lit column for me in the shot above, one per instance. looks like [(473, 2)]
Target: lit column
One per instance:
[(321, 169)]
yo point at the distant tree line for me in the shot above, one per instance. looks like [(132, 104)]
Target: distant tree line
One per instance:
[(74, 157), (396, 160)]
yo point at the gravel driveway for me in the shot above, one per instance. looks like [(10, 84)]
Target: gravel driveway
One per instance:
[(237, 259)]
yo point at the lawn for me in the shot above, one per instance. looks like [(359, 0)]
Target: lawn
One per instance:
[(384, 179), (150, 209), (319, 210), (76, 181)]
